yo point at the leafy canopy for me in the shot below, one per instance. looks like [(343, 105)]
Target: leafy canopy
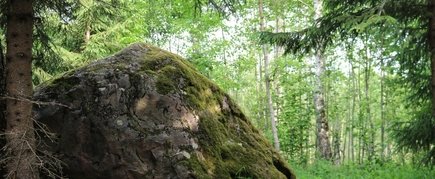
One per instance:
[(405, 21)]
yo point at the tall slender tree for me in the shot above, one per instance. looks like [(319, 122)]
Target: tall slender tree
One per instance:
[(352, 89), (368, 114), (267, 81), (382, 96), (323, 143)]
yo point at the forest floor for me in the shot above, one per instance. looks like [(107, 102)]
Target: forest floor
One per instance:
[(320, 170)]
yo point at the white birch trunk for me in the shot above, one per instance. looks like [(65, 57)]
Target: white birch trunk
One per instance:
[(323, 143)]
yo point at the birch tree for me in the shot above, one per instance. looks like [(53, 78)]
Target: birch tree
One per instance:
[(323, 143), (267, 80)]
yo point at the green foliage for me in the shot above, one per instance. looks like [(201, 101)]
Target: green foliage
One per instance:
[(71, 33), (222, 6), (323, 169), (46, 61), (417, 135), (373, 21), (297, 112)]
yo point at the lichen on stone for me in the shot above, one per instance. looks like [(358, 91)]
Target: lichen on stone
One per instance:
[(147, 113)]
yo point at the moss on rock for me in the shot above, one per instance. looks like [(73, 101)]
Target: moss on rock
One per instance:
[(149, 113)]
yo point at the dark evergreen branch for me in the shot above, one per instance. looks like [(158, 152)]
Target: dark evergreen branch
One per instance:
[(223, 7), (418, 134)]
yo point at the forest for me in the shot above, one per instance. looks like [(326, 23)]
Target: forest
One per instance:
[(341, 89)]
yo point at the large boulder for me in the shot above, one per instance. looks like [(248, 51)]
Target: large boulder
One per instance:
[(146, 113)]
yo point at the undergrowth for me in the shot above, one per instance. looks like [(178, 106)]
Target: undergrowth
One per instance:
[(322, 169)]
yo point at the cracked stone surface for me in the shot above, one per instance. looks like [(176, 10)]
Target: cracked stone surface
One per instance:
[(146, 113)]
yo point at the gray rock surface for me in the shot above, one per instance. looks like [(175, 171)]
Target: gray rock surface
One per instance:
[(146, 113)]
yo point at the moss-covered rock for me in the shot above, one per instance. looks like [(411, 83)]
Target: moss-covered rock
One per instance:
[(146, 113)]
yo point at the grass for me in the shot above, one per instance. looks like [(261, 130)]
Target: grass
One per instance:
[(321, 169)]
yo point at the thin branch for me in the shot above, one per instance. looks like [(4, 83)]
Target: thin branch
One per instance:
[(41, 103)]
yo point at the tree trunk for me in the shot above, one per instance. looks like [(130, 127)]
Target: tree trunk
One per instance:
[(336, 139), (20, 134), (87, 34), (432, 50), (271, 110), (382, 111), (278, 52), (345, 139), (224, 53), (323, 143), (261, 101), (371, 144), (352, 89), (267, 81), (359, 124), (2, 107), (258, 97)]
